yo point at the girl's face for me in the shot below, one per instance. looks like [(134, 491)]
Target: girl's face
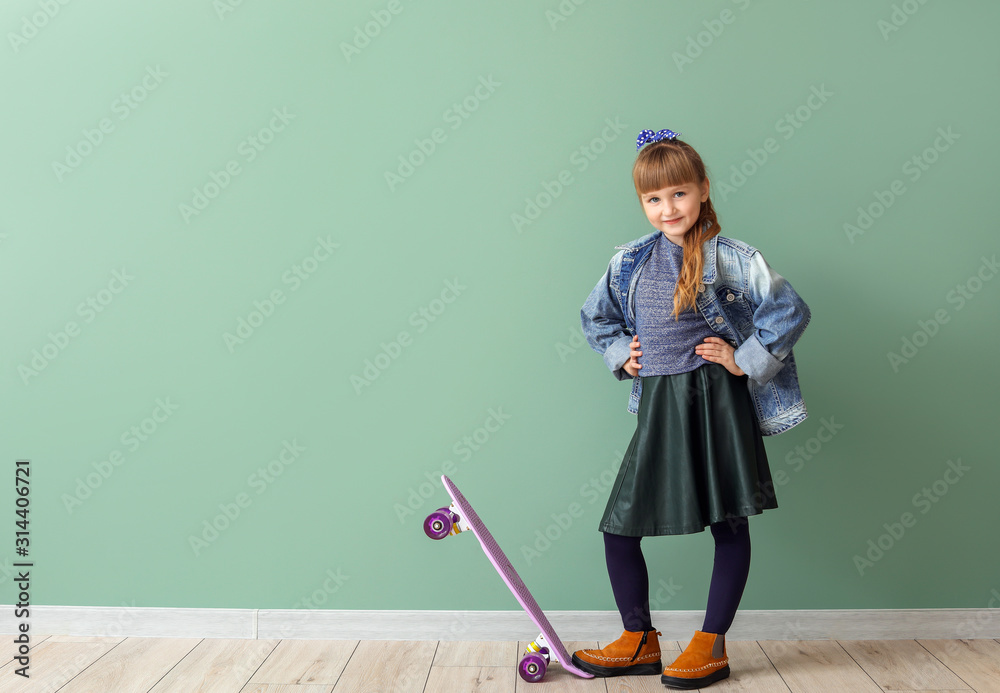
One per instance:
[(674, 210)]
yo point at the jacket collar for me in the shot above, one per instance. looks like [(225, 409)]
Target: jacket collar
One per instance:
[(708, 252)]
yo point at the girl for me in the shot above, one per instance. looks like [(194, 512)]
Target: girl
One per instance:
[(704, 328)]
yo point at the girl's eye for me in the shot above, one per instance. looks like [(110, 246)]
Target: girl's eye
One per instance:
[(679, 192), (653, 200)]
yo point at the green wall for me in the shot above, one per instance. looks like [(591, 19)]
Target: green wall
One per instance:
[(153, 199)]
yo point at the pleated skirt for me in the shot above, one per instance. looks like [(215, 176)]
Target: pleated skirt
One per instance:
[(697, 457)]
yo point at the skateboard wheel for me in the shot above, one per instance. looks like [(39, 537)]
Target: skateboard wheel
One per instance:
[(438, 524), (532, 667)]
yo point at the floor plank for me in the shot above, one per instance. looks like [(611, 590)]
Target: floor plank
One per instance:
[(817, 666), (460, 679), (976, 662), (301, 662), (377, 666), (458, 653), (216, 664), (53, 664), (635, 684), (902, 665), (35, 641), (134, 666)]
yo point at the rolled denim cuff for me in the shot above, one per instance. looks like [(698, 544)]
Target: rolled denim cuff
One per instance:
[(618, 355), (756, 361)]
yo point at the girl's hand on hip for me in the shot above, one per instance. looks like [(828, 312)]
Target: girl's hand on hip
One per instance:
[(632, 366), (719, 350)]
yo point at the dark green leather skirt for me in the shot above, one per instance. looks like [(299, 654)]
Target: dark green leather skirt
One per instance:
[(697, 457)]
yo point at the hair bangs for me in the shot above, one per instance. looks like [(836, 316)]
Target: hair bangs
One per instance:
[(662, 167)]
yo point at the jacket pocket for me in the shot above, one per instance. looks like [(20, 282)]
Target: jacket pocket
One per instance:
[(736, 305)]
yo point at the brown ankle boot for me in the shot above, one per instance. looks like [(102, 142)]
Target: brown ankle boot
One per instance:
[(634, 653), (704, 661)]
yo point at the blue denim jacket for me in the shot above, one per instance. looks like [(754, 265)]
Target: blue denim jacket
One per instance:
[(745, 302)]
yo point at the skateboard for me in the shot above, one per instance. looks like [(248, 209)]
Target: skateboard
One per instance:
[(547, 647)]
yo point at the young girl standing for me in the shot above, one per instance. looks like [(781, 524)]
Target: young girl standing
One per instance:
[(704, 328)]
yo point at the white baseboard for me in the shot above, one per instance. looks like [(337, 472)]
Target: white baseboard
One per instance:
[(823, 624)]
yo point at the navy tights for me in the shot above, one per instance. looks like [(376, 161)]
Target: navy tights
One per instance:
[(630, 579)]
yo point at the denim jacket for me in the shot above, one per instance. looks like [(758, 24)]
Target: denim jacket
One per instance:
[(745, 302)]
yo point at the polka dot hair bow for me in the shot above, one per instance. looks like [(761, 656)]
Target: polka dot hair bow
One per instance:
[(649, 136)]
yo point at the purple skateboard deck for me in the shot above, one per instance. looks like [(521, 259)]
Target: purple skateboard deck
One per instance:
[(512, 579)]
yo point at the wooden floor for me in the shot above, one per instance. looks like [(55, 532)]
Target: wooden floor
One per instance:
[(80, 664)]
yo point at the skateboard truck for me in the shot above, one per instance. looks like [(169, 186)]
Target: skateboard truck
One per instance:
[(536, 659)]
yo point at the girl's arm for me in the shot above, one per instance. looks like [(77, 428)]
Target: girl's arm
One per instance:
[(604, 326), (779, 319)]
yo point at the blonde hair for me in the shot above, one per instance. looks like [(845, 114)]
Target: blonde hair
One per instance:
[(667, 163)]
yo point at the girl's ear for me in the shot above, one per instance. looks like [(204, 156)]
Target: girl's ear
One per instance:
[(704, 190)]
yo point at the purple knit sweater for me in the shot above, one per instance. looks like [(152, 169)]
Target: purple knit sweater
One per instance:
[(667, 346)]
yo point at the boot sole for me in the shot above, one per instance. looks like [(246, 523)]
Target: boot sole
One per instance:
[(633, 670), (688, 684)]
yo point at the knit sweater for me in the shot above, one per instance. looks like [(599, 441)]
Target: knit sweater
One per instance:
[(667, 345)]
